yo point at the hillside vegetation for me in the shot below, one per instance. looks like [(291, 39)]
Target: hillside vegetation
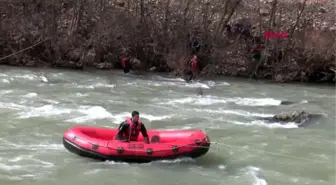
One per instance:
[(162, 34)]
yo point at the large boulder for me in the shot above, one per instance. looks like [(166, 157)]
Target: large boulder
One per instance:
[(296, 116), (301, 118)]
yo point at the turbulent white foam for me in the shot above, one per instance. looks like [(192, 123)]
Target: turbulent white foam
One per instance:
[(94, 171), (91, 113), (245, 113), (97, 112), (209, 100), (81, 94), (5, 81), (158, 84), (187, 127), (155, 118), (13, 106), (44, 79), (222, 166), (44, 146), (16, 159), (34, 167), (179, 160), (40, 134), (105, 85), (30, 95), (85, 86), (95, 86), (131, 83), (178, 79), (212, 83), (269, 125), (87, 113), (197, 85), (254, 173), (223, 84), (14, 178), (304, 101), (118, 118), (6, 92), (255, 101), (195, 101), (114, 163), (51, 101), (41, 77), (45, 164), (6, 167), (238, 112), (170, 79), (26, 77), (179, 84), (45, 111)]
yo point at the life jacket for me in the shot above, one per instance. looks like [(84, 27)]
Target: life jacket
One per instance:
[(256, 48), (133, 131), (123, 62), (194, 63)]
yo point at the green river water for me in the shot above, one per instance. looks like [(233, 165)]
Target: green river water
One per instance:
[(36, 110)]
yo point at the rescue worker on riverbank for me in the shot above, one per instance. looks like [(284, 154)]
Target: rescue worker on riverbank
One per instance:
[(129, 129), (256, 48), (195, 46), (125, 64), (193, 64)]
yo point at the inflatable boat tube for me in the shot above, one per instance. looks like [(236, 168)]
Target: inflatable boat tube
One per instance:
[(99, 143)]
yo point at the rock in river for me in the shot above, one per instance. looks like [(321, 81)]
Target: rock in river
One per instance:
[(301, 118)]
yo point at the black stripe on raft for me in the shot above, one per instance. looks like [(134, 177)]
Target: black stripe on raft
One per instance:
[(72, 147)]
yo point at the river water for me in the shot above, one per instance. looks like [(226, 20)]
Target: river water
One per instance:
[(36, 110)]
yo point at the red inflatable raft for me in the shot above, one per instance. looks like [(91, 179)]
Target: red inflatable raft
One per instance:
[(99, 143)]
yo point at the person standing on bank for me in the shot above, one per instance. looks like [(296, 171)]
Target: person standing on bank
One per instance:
[(125, 64), (193, 64), (129, 129)]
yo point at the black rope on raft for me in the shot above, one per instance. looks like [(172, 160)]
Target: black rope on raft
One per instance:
[(170, 145), (233, 146)]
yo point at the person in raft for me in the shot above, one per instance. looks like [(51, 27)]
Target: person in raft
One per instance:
[(129, 129)]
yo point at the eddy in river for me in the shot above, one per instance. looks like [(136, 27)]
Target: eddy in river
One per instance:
[(301, 118), (129, 129)]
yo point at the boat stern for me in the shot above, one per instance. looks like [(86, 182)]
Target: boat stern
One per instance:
[(202, 145)]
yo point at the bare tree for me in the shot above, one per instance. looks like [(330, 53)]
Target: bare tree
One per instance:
[(98, 33)]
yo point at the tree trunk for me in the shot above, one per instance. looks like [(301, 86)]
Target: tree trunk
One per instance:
[(166, 27)]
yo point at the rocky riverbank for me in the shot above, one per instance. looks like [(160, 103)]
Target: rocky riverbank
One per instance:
[(161, 35)]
